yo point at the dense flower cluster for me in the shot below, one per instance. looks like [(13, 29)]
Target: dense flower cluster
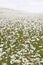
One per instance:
[(21, 41)]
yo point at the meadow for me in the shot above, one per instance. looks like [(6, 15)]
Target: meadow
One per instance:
[(21, 40)]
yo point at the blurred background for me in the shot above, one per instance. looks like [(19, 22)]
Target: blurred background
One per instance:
[(26, 5)]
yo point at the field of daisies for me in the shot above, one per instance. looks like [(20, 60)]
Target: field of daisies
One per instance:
[(21, 39)]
